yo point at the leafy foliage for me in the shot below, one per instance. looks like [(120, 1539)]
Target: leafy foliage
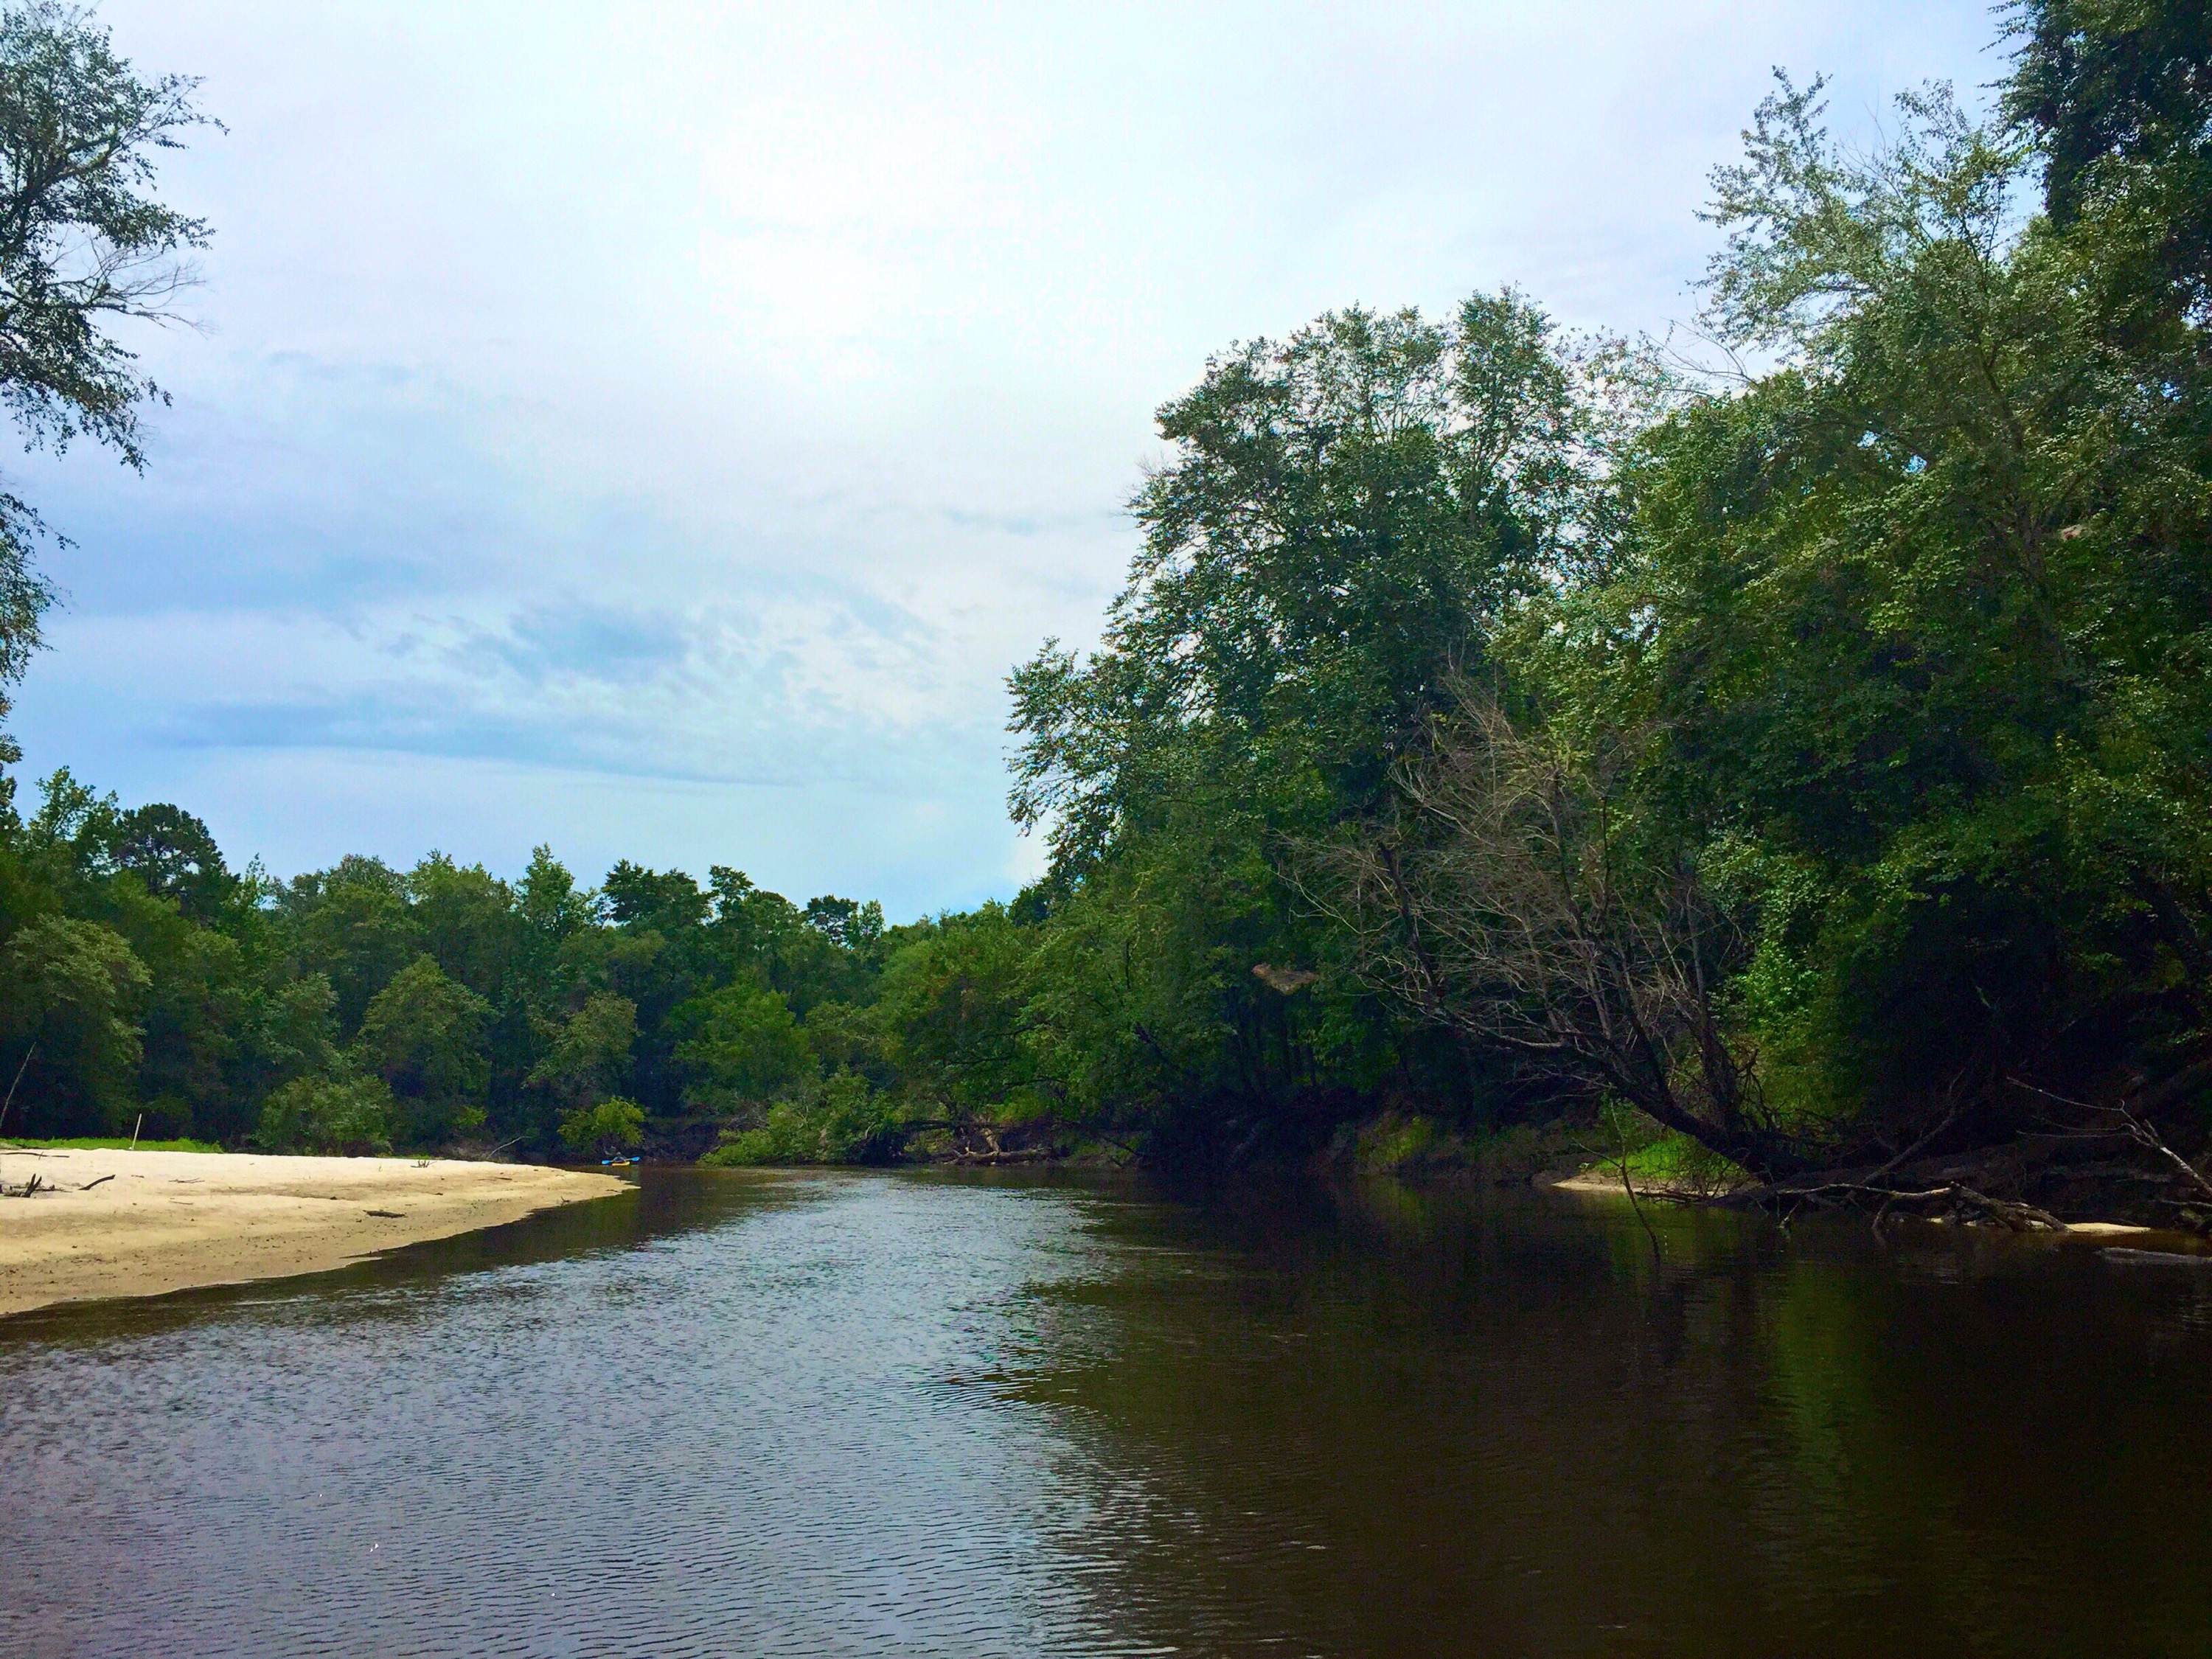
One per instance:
[(73, 987), (840, 1120), (745, 1047), (349, 1116), (607, 1126)]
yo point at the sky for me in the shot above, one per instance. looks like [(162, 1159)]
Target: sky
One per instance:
[(655, 430)]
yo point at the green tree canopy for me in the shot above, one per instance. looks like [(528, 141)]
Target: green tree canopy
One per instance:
[(423, 1034), (606, 1126), (590, 1053), (741, 1047), (1344, 514), (74, 987)]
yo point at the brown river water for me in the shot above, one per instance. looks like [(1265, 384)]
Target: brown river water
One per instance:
[(923, 1414)]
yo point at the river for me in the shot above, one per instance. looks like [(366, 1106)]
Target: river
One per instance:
[(924, 1413)]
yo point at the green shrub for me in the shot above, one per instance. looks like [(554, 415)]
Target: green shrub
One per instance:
[(349, 1116), (1664, 1159), (842, 1120), (613, 1125)]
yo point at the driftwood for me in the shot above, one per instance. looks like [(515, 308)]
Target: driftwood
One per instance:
[(1939, 1193), (992, 1151), (2138, 1130), (1951, 1201), (90, 1185)]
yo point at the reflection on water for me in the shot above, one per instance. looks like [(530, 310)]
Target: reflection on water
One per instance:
[(731, 1413)]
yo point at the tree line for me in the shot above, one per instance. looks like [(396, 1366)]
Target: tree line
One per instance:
[(364, 1008), (1797, 732)]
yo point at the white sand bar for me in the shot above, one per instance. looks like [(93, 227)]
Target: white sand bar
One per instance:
[(169, 1221)]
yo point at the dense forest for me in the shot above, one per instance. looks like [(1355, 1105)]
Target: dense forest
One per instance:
[(1796, 734)]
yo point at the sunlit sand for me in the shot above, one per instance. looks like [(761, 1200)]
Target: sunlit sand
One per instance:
[(120, 1223)]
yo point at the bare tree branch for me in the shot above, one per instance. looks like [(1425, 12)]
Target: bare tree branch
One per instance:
[(1515, 899)]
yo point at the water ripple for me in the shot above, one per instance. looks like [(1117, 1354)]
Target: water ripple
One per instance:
[(856, 1414)]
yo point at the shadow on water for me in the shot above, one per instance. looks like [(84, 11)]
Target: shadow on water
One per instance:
[(945, 1413)]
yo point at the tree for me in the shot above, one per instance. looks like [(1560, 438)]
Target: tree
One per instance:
[(84, 244), (1928, 613), (837, 1119), (423, 1034), (741, 1048), (828, 952), (1345, 512), (1346, 518), (953, 1011), (667, 901), (1527, 901), (465, 918), (72, 991), (847, 923), (345, 1117), (1816, 755), (2118, 98), (176, 857), (590, 1052), (69, 834), (606, 1126), (552, 910), (295, 1033), (194, 1017), (354, 923)]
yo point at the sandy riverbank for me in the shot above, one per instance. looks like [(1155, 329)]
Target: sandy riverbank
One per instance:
[(170, 1221)]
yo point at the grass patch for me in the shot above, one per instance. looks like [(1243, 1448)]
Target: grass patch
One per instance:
[(1677, 1161), (1396, 1143), (107, 1143)]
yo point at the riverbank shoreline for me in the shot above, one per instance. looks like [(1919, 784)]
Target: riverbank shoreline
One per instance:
[(1607, 1183), (113, 1223)]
